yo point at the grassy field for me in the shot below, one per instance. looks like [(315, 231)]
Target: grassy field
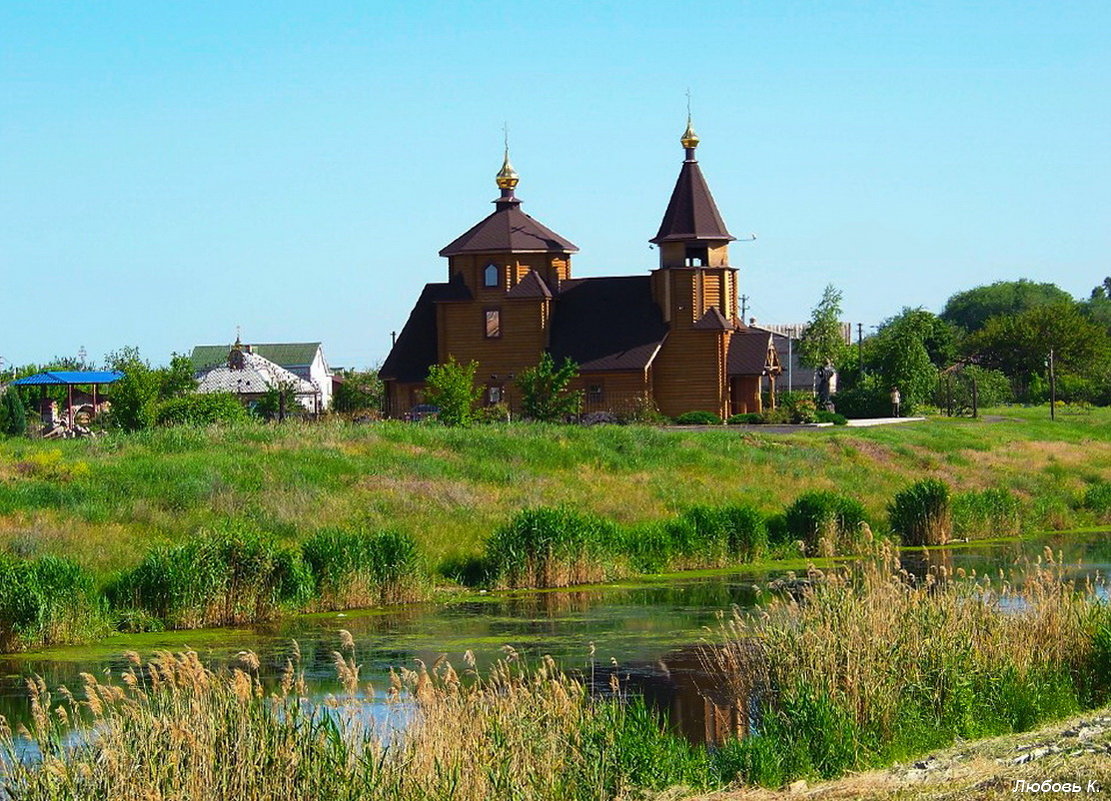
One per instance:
[(105, 502)]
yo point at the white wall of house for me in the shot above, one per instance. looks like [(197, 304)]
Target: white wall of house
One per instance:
[(320, 375)]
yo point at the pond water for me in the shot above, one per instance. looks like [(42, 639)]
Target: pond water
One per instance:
[(650, 629)]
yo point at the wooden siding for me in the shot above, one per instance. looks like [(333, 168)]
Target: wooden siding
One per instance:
[(620, 391), (512, 269), (524, 336), (689, 373), (401, 397), (745, 394)]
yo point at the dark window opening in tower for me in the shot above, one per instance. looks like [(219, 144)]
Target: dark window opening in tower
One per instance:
[(698, 257), (490, 276)]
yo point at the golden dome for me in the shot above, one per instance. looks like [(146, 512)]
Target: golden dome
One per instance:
[(690, 138), (507, 176)]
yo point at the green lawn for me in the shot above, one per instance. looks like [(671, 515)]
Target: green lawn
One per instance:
[(105, 501)]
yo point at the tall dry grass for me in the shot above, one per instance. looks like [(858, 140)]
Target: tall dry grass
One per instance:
[(174, 729), (860, 668)]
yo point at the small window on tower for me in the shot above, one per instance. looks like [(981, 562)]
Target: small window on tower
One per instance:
[(490, 276), (493, 323)]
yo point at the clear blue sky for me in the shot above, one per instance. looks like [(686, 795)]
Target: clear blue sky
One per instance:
[(171, 171)]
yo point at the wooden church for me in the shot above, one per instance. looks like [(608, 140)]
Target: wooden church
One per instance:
[(672, 337)]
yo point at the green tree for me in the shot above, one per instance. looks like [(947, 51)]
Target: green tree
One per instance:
[(971, 309), (177, 379), (1019, 345), (905, 363), (13, 414), (938, 336), (451, 387), (545, 393), (1098, 306), (824, 338), (359, 391), (136, 396)]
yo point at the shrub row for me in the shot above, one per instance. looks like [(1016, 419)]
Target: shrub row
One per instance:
[(560, 547), (239, 576)]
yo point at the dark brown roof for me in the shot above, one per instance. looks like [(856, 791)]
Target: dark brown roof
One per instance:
[(415, 349), (691, 213), (531, 286), (713, 320), (607, 323), (748, 352), (509, 229)]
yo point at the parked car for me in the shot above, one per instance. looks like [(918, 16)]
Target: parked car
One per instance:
[(423, 411)]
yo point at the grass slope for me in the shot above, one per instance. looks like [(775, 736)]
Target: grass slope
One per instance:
[(104, 502)]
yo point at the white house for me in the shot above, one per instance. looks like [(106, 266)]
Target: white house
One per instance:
[(304, 359)]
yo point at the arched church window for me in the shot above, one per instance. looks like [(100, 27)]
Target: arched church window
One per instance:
[(490, 276)]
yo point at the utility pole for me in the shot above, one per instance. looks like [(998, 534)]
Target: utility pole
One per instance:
[(744, 308), (860, 346), (393, 338), (1052, 388), (790, 359)]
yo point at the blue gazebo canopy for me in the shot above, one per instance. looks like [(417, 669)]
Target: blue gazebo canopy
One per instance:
[(69, 378)]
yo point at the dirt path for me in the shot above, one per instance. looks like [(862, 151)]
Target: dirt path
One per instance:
[(1074, 753)]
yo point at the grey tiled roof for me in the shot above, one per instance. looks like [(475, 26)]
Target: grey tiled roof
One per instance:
[(257, 377)]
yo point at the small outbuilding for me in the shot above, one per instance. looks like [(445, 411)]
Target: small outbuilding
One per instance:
[(82, 405)]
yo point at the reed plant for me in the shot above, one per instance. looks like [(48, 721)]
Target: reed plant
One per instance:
[(553, 547), (47, 601), (986, 513), (825, 521), (221, 578), (359, 569), (862, 668), (172, 728), (922, 513)]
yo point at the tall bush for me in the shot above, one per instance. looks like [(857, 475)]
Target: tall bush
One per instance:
[(551, 547), (46, 601), (922, 514), (987, 513), (221, 578), (545, 390), (200, 410), (451, 388), (826, 516), (358, 569), (13, 414)]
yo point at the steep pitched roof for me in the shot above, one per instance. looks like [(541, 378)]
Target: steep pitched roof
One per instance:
[(286, 354), (691, 213), (531, 286), (748, 352), (607, 323), (415, 349), (509, 229)]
